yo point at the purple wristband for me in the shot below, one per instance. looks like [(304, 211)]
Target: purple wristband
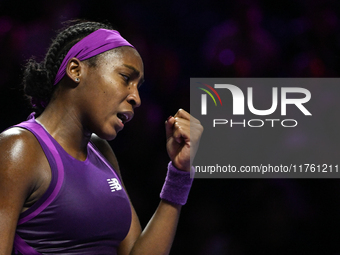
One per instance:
[(177, 185)]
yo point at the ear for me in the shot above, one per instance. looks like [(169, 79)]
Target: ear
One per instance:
[(74, 69)]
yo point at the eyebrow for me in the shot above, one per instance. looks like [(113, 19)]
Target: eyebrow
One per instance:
[(136, 71)]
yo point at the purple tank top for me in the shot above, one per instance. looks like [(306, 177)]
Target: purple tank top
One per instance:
[(85, 210)]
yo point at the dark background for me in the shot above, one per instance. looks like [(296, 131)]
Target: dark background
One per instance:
[(182, 39)]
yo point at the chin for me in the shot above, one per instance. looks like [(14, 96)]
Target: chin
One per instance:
[(111, 138), (107, 136), (108, 132)]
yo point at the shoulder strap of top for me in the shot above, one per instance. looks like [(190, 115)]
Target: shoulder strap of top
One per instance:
[(57, 169), (96, 151), (21, 246), (56, 165)]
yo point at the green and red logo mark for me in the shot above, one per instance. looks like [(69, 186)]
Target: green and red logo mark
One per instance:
[(204, 97)]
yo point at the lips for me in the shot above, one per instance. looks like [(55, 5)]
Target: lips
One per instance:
[(125, 117)]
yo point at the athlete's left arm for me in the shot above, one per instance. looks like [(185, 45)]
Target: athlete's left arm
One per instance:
[(183, 134)]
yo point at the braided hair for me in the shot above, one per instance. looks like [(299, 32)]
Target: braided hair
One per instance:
[(39, 77)]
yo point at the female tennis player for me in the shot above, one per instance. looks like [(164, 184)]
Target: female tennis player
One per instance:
[(61, 191)]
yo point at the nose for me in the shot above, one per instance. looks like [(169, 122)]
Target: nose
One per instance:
[(134, 99)]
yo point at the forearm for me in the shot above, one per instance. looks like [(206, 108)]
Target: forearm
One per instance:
[(158, 235)]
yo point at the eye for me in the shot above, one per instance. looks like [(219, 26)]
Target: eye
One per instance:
[(125, 77)]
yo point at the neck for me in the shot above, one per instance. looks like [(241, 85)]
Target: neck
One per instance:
[(63, 123)]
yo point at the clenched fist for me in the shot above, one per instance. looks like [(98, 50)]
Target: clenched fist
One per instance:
[(183, 133)]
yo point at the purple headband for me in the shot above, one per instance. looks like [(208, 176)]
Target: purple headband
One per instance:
[(95, 43)]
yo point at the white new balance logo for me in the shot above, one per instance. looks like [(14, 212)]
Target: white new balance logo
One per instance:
[(114, 184)]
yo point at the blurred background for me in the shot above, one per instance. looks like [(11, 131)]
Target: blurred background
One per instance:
[(182, 39)]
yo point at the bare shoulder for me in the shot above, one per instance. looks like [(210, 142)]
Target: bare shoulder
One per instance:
[(24, 170), (17, 145), (21, 159), (20, 153), (105, 148)]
